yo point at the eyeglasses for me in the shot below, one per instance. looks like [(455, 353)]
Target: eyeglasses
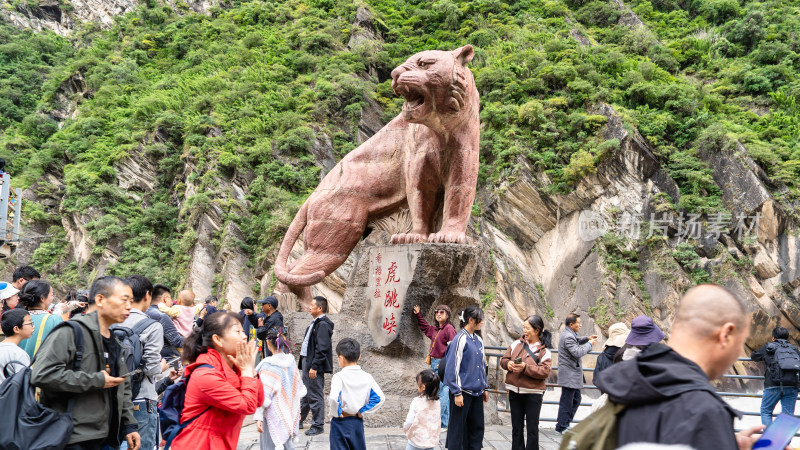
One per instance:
[(28, 323), (440, 311)]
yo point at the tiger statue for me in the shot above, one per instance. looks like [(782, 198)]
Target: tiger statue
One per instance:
[(425, 159)]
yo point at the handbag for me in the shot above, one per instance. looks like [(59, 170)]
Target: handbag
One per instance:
[(428, 358)]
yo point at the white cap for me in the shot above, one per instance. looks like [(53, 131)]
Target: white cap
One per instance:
[(7, 290)]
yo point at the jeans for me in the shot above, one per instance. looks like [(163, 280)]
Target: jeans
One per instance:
[(567, 407), (148, 425), (444, 391), (772, 395), (525, 409)]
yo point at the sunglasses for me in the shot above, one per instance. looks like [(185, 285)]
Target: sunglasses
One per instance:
[(440, 311)]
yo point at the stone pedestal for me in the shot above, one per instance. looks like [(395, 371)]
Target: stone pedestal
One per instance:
[(427, 275), (389, 280)]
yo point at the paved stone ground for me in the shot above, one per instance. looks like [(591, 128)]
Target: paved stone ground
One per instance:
[(495, 438)]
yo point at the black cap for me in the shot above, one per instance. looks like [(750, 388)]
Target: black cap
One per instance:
[(271, 300)]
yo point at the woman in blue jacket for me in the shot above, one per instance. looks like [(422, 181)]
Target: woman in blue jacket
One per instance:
[(465, 376)]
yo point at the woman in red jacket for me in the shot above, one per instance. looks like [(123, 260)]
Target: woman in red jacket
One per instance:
[(220, 397)]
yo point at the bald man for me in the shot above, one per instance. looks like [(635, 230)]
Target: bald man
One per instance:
[(666, 389)]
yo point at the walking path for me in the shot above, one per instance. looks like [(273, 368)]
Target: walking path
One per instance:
[(495, 438)]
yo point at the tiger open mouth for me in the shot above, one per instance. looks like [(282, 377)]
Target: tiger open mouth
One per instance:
[(414, 96)]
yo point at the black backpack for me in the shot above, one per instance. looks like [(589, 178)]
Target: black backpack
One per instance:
[(27, 425), (171, 408), (132, 350), (784, 363)]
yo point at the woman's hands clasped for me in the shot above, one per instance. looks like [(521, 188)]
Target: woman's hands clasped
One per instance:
[(245, 358)]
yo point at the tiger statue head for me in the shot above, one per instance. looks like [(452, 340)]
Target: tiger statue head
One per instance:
[(437, 86)]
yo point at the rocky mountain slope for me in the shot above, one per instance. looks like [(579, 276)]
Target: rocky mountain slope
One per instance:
[(177, 140)]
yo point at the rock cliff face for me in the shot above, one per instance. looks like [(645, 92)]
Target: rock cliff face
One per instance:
[(62, 16)]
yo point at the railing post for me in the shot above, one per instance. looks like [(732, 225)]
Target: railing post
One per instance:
[(17, 215), (5, 188)]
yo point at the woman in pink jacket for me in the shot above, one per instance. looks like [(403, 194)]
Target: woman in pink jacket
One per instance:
[(221, 395)]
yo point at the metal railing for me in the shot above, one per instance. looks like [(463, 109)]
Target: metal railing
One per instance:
[(500, 384)]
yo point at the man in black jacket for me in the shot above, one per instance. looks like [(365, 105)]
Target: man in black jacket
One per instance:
[(666, 389), (316, 359), (269, 318), (776, 389)]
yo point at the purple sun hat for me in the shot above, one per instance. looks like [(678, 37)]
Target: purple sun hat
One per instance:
[(644, 332)]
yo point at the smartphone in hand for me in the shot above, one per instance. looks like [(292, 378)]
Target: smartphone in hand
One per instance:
[(779, 433), (175, 362)]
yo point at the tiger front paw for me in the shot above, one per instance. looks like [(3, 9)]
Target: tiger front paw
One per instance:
[(448, 237), (407, 238)]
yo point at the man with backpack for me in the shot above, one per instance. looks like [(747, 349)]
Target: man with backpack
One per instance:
[(142, 339), (98, 398), (782, 361), (172, 339), (663, 395)]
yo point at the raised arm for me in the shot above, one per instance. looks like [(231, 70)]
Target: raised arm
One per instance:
[(576, 349), (425, 327)]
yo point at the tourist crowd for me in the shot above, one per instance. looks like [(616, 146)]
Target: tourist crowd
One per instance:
[(123, 357)]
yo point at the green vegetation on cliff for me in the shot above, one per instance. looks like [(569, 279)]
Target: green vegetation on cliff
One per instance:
[(244, 94)]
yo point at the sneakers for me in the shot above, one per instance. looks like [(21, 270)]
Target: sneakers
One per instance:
[(313, 431)]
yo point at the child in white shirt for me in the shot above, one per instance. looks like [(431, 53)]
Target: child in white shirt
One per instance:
[(353, 393), (423, 422), (17, 325)]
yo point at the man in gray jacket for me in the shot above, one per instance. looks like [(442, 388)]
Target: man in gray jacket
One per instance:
[(571, 349), (151, 335), (103, 411)]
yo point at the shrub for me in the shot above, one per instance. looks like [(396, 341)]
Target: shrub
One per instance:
[(580, 164), (296, 140), (720, 11), (599, 13), (532, 113)]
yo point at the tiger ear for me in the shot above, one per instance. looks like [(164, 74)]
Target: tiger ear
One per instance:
[(464, 54)]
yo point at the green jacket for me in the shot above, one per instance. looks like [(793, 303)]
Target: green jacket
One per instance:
[(51, 373)]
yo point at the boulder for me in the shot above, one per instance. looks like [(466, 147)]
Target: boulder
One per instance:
[(765, 266)]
